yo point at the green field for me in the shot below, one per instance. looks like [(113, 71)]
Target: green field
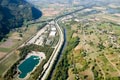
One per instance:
[(96, 55), (8, 62)]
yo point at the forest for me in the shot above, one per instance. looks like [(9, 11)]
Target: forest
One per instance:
[(13, 13)]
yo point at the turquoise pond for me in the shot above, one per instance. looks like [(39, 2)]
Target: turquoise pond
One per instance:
[(28, 65)]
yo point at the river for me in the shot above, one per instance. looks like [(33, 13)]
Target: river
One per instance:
[(58, 57)]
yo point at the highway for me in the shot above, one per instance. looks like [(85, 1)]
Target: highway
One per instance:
[(47, 67), (49, 64)]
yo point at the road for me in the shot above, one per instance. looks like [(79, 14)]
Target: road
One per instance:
[(52, 59), (49, 64), (112, 64)]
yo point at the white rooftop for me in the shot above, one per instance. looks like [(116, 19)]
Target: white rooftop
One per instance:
[(52, 33), (53, 28)]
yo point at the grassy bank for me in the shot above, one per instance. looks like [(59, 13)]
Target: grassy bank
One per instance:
[(61, 70), (23, 53)]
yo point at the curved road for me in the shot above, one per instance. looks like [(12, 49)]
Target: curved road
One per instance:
[(49, 64)]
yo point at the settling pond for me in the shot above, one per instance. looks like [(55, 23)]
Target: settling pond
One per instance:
[(28, 65)]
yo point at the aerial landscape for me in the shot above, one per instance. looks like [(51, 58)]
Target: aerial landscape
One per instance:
[(59, 39)]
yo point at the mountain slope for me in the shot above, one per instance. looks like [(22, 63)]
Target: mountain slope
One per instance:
[(13, 13)]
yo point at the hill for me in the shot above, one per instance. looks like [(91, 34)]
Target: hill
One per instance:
[(13, 13)]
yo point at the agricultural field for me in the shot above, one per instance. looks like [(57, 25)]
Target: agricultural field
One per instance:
[(9, 46), (96, 57), (97, 54)]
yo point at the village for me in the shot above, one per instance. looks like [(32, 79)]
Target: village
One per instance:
[(98, 49)]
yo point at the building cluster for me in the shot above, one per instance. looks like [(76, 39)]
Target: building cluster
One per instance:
[(45, 36), (53, 30)]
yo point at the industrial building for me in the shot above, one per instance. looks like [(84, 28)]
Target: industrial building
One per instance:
[(52, 34)]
